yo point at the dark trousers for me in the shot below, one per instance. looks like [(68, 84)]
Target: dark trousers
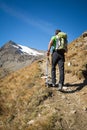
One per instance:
[(58, 58)]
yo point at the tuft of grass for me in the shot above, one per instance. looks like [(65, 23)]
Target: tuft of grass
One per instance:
[(49, 122)]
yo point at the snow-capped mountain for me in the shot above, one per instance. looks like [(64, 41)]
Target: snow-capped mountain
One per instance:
[(15, 56), (27, 50)]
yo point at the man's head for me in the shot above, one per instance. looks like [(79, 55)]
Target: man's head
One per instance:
[(57, 31)]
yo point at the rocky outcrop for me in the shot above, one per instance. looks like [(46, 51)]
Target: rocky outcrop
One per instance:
[(85, 34)]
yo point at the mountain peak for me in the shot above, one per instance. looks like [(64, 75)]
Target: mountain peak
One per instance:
[(14, 56), (9, 43), (21, 48)]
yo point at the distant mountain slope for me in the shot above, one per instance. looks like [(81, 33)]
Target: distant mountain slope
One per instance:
[(14, 56)]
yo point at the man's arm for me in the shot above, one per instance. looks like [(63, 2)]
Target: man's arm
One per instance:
[(49, 47)]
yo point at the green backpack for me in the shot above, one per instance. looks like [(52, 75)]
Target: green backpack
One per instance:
[(61, 42)]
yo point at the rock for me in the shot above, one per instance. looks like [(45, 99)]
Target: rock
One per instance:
[(84, 34), (85, 109), (30, 122), (73, 111)]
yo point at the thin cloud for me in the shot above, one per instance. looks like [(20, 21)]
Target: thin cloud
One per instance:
[(42, 25)]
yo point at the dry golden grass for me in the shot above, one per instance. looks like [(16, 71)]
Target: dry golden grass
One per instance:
[(16, 91), (26, 104), (77, 57), (22, 95)]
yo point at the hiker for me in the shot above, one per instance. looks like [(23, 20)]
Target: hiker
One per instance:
[(58, 57)]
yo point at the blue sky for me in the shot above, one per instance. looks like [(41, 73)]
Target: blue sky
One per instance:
[(32, 22)]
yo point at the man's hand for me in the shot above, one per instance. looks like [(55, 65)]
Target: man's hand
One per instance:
[(48, 53)]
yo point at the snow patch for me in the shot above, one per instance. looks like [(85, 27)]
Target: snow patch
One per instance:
[(27, 50)]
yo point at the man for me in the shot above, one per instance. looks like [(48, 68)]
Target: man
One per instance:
[(58, 57)]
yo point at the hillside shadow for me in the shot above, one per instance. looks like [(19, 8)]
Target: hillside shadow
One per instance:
[(77, 86)]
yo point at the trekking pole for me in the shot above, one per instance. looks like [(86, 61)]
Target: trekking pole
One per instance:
[(47, 63)]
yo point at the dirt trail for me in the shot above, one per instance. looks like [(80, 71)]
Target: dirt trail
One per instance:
[(71, 104)]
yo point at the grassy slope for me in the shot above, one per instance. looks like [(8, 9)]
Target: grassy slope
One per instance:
[(77, 56), (27, 104), (21, 94)]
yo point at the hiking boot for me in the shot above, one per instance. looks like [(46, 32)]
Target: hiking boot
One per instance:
[(60, 86)]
